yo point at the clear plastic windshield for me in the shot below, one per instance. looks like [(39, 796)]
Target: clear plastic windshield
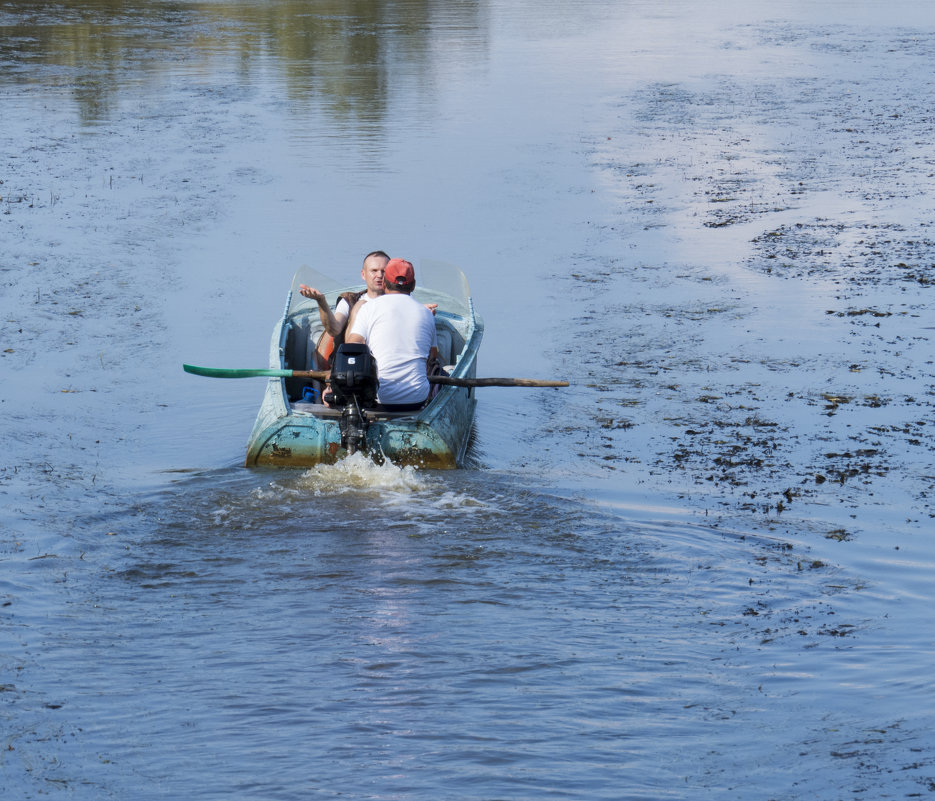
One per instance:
[(436, 282), (311, 277), (443, 283)]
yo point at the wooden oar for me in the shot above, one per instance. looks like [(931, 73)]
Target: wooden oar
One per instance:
[(324, 375), (494, 382)]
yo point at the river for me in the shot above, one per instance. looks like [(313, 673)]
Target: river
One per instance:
[(702, 571)]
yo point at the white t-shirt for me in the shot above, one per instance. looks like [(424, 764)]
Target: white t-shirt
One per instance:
[(343, 307), (400, 332)]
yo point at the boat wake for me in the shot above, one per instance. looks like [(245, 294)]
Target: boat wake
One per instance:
[(358, 471), (424, 496)]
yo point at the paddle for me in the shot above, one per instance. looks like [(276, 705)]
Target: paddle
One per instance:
[(324, 375)]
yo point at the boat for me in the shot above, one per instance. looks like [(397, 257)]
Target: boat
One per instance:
[(294, 428)]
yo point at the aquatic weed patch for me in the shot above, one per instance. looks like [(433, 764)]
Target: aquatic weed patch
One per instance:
[(705, 400), (850, 252)]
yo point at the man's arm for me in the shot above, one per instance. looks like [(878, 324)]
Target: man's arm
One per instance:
[(355, 339), (333, 323)]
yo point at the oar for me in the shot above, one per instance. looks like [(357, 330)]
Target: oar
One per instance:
[(494, 382), (324, 375)]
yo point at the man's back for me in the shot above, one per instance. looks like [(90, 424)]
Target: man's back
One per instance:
[(400, 332)]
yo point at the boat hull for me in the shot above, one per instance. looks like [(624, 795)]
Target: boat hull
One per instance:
[(436, 439)]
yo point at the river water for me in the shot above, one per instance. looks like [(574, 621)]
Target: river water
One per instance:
[(703, 571)]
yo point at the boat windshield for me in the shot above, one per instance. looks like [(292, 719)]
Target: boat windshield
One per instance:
[(439, 278), (436, 282), (311, 277)]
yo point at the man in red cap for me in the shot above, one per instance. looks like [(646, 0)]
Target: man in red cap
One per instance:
[(400, 333)]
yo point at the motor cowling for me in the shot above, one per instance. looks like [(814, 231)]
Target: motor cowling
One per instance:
[(354, 386), (354, 375)]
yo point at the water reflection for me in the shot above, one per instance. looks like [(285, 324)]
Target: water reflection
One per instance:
[(347, 56)]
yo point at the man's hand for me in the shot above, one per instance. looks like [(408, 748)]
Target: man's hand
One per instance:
[(333, 323), (311, 292)]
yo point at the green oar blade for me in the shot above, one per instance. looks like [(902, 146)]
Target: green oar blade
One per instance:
[(221, 372)]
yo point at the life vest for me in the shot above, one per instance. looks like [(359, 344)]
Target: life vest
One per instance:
[(328, 344)]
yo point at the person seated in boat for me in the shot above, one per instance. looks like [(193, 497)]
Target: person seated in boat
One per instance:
[(336, 322), (400, 333)]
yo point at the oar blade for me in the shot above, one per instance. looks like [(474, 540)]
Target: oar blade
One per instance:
[(223, 372)]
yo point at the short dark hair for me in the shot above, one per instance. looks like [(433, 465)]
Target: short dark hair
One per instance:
[(380, 253)]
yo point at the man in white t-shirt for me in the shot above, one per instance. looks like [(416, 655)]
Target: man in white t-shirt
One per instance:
[(336, 321), (400, 333)]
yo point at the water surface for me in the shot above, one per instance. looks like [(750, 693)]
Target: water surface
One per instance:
[(701, 571)]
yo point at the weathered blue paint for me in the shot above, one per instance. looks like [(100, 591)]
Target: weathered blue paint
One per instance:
[(291, 433)]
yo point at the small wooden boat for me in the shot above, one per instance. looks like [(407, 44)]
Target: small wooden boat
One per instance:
[(294, 429)]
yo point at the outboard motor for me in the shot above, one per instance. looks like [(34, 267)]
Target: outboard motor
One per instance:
[(354, 385)]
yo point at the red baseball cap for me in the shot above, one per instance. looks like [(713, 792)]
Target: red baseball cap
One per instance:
[(399, 274)]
